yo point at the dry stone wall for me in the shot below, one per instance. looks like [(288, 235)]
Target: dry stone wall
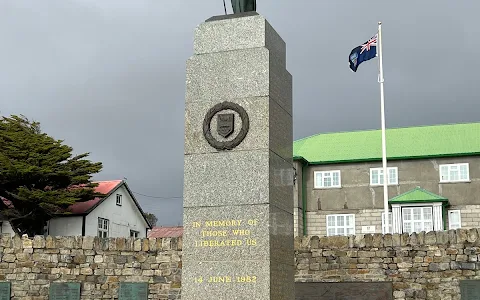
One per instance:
[(420, 266), (99, 264)]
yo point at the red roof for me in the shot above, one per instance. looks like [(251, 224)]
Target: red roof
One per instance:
[(104, 187), (165, 232), (7, 202)]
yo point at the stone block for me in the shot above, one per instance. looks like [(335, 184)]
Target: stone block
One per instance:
[(472, 235), (377, 240), (50, 242), (253, 177), (239, 33), (152, 244), (387, 240), (431, 238), (412, 239), (17, 242), (461, 236), (246, 238), (335, 242), (26, 242), (87, 242), (232, 281), (179, 243), (314, 242), (6, 240), (442, 238), (421, 238), (368, 240), (261, 111), (137, 245), (396, 240), (145, 245), (241, 74), (452, 237), (404, 239), (360, 241)]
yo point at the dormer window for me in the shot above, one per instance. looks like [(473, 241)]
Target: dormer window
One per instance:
[(119, 200)]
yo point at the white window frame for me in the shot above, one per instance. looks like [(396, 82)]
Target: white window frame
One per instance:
[(134, 233), (450, 224), (321, 185), (422, 220), (449, 170), (118, 200), (344, 227), (102, 227), (397, 212), (380, 173), (390, 222)]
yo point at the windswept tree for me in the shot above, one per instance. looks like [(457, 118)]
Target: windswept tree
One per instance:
[(152, 219), (39, 176)]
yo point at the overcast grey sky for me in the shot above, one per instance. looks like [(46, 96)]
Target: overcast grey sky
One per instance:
[(108, 76)]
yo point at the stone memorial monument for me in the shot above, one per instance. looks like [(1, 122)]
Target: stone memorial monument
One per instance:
[(238, 176)]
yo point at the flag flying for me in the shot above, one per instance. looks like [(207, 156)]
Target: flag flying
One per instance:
[(362, 53)]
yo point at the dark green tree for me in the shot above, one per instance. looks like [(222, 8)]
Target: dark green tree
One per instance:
[(39, 175), (151, 218)]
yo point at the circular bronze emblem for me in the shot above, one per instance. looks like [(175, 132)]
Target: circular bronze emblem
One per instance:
[(225, 125)]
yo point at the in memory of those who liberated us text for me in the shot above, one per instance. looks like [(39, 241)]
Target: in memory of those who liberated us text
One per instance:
[(226, 233)]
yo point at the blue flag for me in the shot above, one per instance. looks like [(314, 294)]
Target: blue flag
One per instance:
[(362, 53)]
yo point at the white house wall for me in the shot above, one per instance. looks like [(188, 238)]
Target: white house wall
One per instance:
[(122, 219), (7, 228), (69, 226)]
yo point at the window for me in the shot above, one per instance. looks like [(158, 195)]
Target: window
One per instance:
[(376, 176), (103, 227), (454, 219), (134, 233), (454, 173), (390, 216), (417, 219), (340, 225), (119, 200), (327, 179)]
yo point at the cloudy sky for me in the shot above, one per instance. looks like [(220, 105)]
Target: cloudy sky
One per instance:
[(108, 76)]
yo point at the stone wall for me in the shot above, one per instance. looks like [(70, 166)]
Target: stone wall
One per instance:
[(421, 266), (31, 264)]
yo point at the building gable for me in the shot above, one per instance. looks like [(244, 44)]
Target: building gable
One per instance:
[(417, 195), (108, 188), (126, 204)]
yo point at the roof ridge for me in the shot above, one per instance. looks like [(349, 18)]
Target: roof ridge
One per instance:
[(113, 180), (420, 189), (387, 129), (406, 193)]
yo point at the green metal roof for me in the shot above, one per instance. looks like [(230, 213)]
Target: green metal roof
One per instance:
[(417, 195), (402, 143)]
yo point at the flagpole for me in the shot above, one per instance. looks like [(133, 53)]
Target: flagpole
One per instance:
[(384, 146)]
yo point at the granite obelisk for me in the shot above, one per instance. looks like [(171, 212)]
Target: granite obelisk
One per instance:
[(238, 172)]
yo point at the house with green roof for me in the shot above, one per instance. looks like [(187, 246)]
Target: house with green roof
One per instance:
[(433, 175)]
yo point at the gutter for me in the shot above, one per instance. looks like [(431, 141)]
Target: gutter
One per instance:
[(304, 199), (305, 164)]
